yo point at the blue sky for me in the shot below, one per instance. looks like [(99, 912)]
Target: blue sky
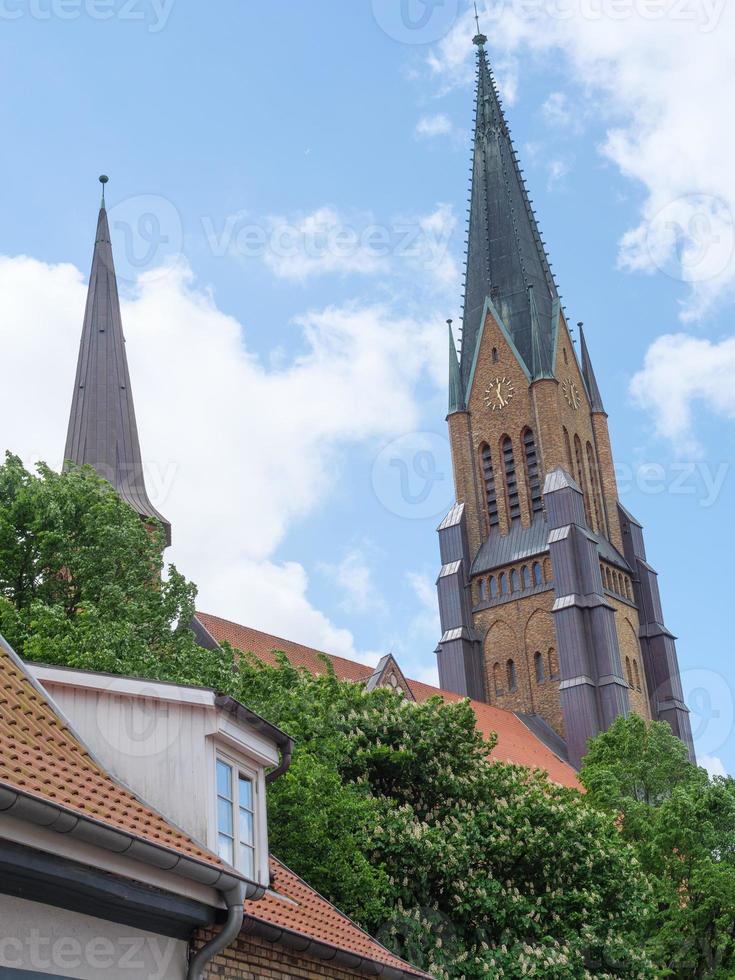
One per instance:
[(287, 201)]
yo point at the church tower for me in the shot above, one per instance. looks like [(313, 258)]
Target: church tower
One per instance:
[(548, 605), (102, 429)]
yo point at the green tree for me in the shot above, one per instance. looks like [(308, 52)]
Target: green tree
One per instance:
[(476, 869), (682, 826), (390, 808), (80, 576)]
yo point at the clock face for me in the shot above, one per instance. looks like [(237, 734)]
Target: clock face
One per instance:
[(499, 393), (571, 393)]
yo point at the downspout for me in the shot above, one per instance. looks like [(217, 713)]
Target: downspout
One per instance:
[(283, 765), (235, 900)]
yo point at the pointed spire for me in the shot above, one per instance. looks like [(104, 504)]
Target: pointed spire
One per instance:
[(456, 398), (102, 428), (505, 254), (588, 373), (541, 354)]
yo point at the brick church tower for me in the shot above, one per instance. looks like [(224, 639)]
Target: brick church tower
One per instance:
[(548, 605)]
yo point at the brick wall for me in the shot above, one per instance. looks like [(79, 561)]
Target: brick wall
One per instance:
[(252, 958)]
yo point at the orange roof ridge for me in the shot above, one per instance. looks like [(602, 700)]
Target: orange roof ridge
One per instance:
[(516, 743), (314, 917)]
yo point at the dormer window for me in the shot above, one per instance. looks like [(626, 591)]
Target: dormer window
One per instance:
[(236, 817)]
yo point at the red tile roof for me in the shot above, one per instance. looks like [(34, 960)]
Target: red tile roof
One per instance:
[(516, 743), (41, 757), (292, 905)]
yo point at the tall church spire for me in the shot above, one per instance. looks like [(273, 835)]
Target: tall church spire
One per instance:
[(102, 428), (505, 254)]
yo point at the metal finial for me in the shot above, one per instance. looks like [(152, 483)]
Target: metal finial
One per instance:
[(479, 39), (103, 180)]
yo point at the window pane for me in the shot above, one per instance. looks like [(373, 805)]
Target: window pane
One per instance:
[(224, 780), (245, 791), (246, 827), (224, 816), (247, 861), (224, 848)]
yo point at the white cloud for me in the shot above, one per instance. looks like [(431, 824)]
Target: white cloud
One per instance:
[(237, 451), (661, 74), (556, 110), (681, 374), (557, 171), (303, 247), (353, 577), (437, 125), (714, 765)]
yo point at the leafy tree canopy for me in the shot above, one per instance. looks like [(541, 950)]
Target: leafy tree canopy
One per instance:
[(682, 826)]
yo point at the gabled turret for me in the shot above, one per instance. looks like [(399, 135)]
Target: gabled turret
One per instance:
[(102, 429)]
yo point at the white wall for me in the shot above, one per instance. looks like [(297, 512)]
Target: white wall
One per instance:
[(161, 741), (47, 940)]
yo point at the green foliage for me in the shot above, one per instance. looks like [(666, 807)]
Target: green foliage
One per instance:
[(682, 826), (80, 576), (469, 869), (391, 809)]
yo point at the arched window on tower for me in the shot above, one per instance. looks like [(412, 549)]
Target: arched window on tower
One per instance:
[(511, 481), (483, 590), (526, 576), (538, 575), (515, 582), (553, 665), (488, 476), (512, 676), (496, 358), (493, 588), (582, 479), (503, 584), (497, 679), (533, 478), (628, 672), (596, 495), (636, 675), (538, 661)]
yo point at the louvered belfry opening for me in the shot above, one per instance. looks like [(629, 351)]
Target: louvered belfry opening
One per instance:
[(511, 482), (490, 492), (532, 472)]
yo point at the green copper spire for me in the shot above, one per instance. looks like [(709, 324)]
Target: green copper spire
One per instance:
[(456, 396), (588, 373), (505, 253)]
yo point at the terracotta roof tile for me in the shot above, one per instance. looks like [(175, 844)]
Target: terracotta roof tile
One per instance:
[(291, 904), (516, 743), (41, 757)]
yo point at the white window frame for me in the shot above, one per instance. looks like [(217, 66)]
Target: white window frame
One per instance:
[(238, 768)]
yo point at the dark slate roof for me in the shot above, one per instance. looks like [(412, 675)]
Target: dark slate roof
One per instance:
[(102, 429), (522, 543), (546, 734), (505, 254), (518, 544), (588, 373)]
